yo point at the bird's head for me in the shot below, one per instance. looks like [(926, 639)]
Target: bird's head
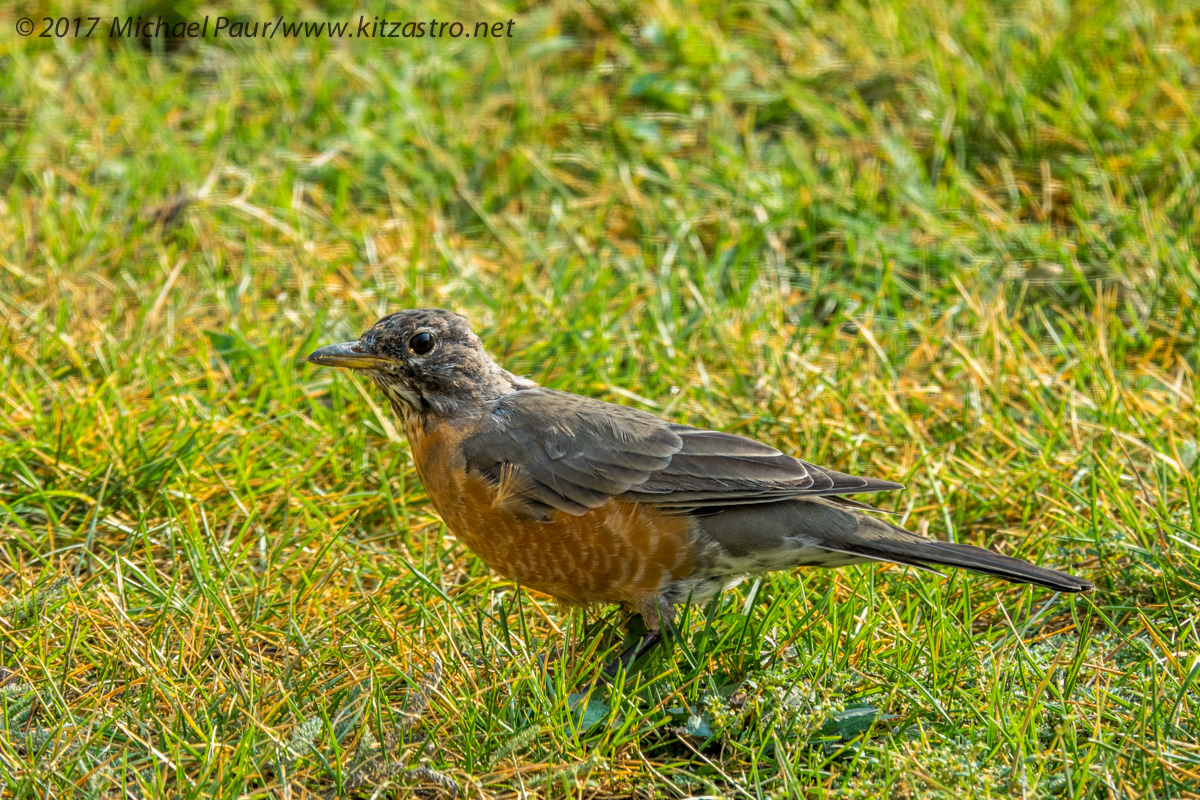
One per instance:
[(426, 360)]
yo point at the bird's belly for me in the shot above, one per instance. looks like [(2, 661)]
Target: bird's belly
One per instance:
[(618, 552)]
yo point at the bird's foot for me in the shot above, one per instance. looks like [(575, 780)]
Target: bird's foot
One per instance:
[(631, 654), (657, 615)]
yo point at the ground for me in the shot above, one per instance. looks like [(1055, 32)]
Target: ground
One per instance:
[(949, 244)]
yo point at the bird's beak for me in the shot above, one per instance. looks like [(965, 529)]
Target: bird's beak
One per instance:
[(347, 354)]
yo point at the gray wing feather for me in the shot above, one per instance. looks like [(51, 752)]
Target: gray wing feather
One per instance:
[(573, 453)]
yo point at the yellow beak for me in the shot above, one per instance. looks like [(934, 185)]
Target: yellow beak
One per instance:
[(347, 354)]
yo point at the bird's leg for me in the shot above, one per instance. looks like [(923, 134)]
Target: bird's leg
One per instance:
[(657, 615), (632, 653)]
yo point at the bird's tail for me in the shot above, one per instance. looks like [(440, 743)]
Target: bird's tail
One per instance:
[(880, 540), (759, 539)]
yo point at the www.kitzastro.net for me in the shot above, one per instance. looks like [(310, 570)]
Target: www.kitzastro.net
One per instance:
[(233, 28)]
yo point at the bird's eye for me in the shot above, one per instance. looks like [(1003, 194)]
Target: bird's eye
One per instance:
[(421, 344)]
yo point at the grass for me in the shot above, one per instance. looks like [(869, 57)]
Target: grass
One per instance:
[(947, 244)]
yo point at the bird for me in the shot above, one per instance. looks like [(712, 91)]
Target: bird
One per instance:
[(592, 502)]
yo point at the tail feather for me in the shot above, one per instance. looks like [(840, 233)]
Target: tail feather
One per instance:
[(762, 533), (886, 542)]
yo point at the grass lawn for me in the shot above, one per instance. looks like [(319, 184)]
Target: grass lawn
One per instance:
[(949, 244)]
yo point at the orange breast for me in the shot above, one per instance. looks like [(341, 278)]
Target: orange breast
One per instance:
[(618, 552)]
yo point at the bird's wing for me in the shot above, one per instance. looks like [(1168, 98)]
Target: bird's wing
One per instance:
[(563, 451)]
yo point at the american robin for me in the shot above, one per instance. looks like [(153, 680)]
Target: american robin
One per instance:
[(592, 502)]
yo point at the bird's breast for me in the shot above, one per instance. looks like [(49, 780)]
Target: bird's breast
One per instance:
[(618, 552)]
